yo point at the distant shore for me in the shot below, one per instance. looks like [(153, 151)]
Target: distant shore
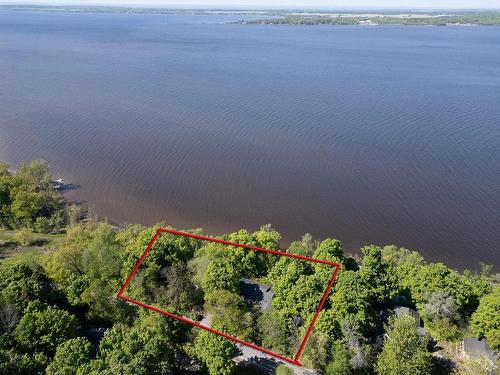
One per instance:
[(296, 17), (491, 18)]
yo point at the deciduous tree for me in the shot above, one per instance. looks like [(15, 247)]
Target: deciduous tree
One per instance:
[(377, 275), (340, 364), (43, 327), (70, 355), (404, 351), (486, 320), (215, 352), (228, 312), (145, 348)]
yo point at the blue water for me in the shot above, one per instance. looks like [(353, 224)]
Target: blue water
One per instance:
[(386, 135)]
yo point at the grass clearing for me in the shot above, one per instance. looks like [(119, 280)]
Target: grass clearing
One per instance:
[(12, 252)]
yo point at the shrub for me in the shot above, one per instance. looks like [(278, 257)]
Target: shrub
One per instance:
[(24, 237)]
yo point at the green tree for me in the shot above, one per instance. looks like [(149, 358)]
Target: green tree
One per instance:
[(101, 260), (24, 237), (5, 195), (42, 224), (221, 274), (67, 259), (465, 289), (348, 301), (440, 315), (32, 192), (25, 282), (331, 250), (87, 267), (100, 296), (249, 262), (274, 332), (405, 265), (359, 349), (168, 249), (36, 173), (145, 348), (43, 328), (304, 247), (74, 214), (340, 364), (26, 194), (303, 297), (14, 363), (486, 320), (27, 204), (406, 261), (215, 352), (378, 276), (476, 285), (181, 294), (283, 276), (228, 311), (70, 355), (404, 351), (317, 351)]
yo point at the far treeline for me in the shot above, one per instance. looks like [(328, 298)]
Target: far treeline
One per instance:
[(479, 19), (390, 312)]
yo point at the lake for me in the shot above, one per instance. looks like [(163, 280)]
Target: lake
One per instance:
[(385, 135)]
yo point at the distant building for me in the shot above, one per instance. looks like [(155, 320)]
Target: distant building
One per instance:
[(367, 22), (473, 347)]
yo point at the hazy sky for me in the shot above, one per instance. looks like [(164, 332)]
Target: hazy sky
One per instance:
[(281, 4)]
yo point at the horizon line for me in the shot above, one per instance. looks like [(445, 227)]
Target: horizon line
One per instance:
[(242, 7)]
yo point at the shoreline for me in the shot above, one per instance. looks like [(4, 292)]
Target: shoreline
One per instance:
[(367, 16)]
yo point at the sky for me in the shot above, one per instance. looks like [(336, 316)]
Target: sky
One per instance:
[(333, 4)]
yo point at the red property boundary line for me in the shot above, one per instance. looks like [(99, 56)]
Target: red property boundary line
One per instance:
[(295, 360)]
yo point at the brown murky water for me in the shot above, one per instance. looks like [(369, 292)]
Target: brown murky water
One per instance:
[(387, 135)]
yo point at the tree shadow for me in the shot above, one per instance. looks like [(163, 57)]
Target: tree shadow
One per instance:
[(260, 365), (251, 292), (442, 366), (38, 242)]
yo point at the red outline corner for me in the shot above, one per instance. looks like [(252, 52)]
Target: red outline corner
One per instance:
[(294, 361)]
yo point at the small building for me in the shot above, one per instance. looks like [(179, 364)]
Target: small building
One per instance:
[(474, 348)]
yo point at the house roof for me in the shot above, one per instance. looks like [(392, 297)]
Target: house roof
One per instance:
[(401, 310), (256, 293), (475, 346)]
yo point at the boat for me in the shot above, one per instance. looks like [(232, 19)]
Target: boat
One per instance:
[(59, 184)]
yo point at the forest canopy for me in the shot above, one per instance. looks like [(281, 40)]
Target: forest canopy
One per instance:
[(59, 311)]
